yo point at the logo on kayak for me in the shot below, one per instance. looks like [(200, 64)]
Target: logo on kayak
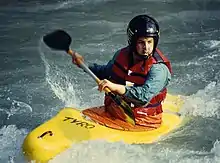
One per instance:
[(79, 123)]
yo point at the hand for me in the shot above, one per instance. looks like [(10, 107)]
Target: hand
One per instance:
[(120, 89), (106, 83), (77, 59)]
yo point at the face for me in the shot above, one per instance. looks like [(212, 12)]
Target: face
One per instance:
[(145, 46)]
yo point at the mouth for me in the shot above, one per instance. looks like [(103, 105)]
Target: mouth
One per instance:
[(145, 52)]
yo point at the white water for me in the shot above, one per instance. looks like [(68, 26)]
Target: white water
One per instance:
[(99, 37), (100, 151)]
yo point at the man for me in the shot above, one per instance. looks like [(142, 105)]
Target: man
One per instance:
[(139, 73)]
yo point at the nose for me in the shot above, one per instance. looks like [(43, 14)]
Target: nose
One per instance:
[(146, 45)]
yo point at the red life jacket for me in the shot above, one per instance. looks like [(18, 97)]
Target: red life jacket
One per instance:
[(137, 74)]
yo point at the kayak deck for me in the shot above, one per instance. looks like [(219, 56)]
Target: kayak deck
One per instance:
[(69, 126), (100, 116)]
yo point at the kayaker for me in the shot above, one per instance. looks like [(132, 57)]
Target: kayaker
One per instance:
[(139, 73)]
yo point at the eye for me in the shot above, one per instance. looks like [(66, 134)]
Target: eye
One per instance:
[(140, 42)]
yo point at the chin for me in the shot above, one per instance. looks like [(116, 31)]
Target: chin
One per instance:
[(145, 54)]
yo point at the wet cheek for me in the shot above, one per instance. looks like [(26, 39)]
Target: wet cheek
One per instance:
[(138, 48), (148, 48)]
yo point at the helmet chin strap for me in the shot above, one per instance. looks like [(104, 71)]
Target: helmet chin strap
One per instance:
[(143, 57)]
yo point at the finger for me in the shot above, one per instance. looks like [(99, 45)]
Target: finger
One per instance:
[(73, 60), (99, 89), (105, 80), (104, 86), (101, 82), (82, 59), (100, 85)]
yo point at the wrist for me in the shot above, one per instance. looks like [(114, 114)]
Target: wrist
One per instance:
[(120, 89)]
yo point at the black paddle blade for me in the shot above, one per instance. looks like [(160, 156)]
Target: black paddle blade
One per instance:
[(58, 40)]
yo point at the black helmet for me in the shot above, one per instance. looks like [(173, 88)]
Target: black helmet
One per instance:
[(142, 26)]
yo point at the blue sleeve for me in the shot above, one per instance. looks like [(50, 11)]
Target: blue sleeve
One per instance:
[(157, 79), (103, 71)]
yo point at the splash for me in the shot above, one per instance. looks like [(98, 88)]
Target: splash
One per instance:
[(10, 140), (205, 103), (17, 107), (59, 77), (100, 151), (216, 148)]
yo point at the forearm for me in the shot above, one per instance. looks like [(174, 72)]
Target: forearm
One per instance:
[(158, 78), (120, 89)]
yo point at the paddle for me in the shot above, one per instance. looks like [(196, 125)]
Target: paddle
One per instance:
[(60, 40)]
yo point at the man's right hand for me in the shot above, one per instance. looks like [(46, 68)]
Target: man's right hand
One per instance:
[(77, 59)]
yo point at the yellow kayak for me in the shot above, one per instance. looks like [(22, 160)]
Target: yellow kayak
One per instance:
[(70, 126)]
